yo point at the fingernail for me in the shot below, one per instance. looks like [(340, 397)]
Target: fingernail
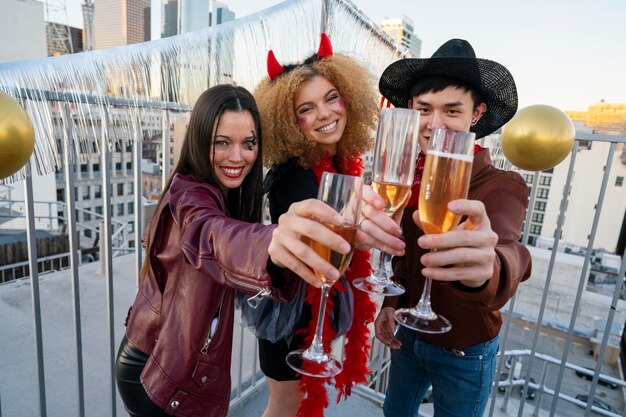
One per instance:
[(454, 206), (334, 275)]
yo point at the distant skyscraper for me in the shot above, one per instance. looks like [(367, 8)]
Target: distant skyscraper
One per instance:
[(401, 31), (182, 16), (120, 22), (88, 36), (220, 14)]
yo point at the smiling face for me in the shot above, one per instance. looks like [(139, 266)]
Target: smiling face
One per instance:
[(451, 108), (234, 148), (320, 113)]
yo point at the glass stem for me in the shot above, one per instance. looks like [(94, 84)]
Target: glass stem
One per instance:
[(381, 272), (424, 305), (317, 347)]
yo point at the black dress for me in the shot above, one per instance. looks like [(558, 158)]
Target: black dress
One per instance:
[(286, 184)]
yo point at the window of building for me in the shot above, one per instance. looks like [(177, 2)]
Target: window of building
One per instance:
[(118, 166), (86, 192), (96, 167), (120, 189), (545, 180), (99, 210), (535, 229), (538, 217), (83, 168), (131, 243), (60, 194), (131, 207), (529, 178), (619, 181), (540, 205), (543, 193), (131, 227), (129, 166), (87, 232), (97, 191), (86, 216), (120, 209), (129, 188)]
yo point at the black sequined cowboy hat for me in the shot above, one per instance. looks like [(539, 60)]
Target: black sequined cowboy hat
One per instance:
[(456, 59)]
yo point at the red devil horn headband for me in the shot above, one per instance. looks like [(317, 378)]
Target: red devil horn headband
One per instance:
[(274, 69)]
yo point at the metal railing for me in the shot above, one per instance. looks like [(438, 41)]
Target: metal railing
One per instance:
[(549, 395)]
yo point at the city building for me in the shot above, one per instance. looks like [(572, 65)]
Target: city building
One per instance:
[(401, 30), (63, 39), (22, 30), (603, 117), (582, 200), (182, 16), (121, 22)]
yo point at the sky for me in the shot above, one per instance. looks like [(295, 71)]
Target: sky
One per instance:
[(565, 53)]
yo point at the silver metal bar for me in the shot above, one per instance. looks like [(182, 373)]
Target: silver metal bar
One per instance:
[(105, 236), (616, 293), (165, 144), (324, 20), (581, 281), (509, 316), (47, 95), (240, 370), (73, 254), (138, 229), (555, 246), (34, 279)]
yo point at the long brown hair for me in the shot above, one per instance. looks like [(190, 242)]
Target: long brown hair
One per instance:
[(243, 203)]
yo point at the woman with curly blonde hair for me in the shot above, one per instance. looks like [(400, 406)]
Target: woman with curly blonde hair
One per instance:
[(317, 116)]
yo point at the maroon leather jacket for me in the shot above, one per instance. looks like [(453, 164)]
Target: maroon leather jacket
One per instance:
[(198, 258)]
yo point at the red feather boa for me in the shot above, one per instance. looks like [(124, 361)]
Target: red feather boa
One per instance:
[(357, 348)]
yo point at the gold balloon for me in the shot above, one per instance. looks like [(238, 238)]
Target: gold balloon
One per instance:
[(17, 136), (538, 137)]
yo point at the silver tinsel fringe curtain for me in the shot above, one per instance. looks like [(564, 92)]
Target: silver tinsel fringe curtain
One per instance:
[(118, 92)]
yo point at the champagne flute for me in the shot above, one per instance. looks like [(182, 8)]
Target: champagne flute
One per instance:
[(447, 173), (395, 155), (343, 193)]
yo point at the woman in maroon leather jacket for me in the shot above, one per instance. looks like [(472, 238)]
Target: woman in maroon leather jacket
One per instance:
[(203, 243)]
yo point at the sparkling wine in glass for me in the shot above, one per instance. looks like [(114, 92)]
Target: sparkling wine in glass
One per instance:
[(446, 177), (395, 154), (343, 193)]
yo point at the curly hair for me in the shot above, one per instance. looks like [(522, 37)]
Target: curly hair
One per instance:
[(282, 137)]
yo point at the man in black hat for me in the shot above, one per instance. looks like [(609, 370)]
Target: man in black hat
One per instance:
[(477, 266)]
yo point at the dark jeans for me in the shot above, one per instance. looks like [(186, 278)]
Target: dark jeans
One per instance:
[(128, 367), (461, 381)]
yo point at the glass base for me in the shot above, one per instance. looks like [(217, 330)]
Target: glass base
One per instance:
[(311, 364), (372, 285), (431, 323)]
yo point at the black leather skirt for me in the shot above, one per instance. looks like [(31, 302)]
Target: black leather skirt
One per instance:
[(128, 367)]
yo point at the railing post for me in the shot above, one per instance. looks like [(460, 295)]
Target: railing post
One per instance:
[(72, 232), (107, 255), (29, 212)]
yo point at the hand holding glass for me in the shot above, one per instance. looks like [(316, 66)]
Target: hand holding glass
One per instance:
[(395, 154), (446, 177), (343, 193)]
